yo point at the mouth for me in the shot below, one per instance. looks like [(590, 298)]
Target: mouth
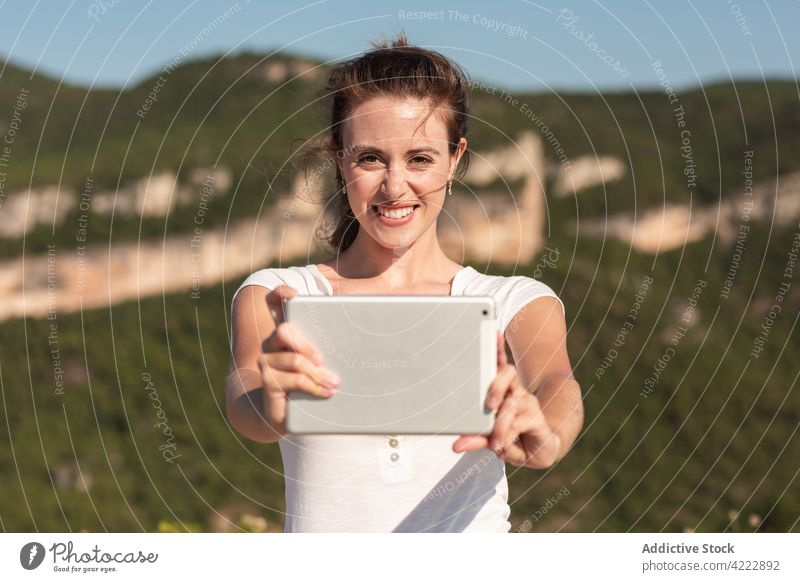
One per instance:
[(395, 215)]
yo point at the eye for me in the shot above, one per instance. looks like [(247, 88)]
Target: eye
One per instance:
[(422, 160), (368, 159)]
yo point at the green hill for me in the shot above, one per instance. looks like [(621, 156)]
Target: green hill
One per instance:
[(716, 433)]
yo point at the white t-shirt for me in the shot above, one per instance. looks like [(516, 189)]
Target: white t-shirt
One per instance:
[(396, 483)]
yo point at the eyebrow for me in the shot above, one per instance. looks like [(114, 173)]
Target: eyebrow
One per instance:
[(427, 149)]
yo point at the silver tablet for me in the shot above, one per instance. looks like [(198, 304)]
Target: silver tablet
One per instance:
[(408, 364)]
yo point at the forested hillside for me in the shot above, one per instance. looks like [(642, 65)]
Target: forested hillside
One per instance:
[(115, 417)]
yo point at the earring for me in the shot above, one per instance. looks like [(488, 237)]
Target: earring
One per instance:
[(344, 190), (449, 187)]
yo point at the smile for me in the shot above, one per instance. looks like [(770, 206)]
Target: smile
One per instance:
[(395, 216)]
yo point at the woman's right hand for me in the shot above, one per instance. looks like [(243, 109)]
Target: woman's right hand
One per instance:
[(289, 362)]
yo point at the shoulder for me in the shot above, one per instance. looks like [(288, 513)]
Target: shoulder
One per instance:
[(272, 277), (511, 293)]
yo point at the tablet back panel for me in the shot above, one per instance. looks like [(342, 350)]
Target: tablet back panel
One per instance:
[(408, 364)]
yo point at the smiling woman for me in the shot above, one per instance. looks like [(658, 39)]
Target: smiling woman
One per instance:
[(398, 131), (398, 127), (397, 177)]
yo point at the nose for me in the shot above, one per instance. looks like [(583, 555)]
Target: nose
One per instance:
[(394, 182)]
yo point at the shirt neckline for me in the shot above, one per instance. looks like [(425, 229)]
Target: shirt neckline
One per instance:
[(454, 290)]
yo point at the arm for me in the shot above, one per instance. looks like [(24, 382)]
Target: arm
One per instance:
[(537, 339), (244, 394)]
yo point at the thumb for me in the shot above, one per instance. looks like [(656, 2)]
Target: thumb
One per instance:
[(276, 299)]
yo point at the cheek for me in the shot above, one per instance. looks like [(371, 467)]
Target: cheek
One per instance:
[(429, 182), (364, 182), (435, 175)]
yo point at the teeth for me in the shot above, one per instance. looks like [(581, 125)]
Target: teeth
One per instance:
[(396, 213)]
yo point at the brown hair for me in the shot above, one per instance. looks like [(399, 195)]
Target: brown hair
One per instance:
[(396, 69)]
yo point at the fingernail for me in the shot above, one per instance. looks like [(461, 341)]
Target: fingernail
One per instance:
[(328, 391), (318, 359), (331, 379), (491, 402)]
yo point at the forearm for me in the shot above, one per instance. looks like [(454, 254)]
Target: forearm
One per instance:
[(244, 397), (561, 403)]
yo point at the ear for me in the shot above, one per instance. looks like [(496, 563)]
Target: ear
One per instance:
[(462, 147)]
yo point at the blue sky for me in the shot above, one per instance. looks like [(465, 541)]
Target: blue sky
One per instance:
[(517, 44)]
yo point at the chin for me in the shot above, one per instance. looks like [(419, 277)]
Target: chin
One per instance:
[(397, 244)]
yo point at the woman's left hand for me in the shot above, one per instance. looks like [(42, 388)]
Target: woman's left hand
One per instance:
[(521, 434)]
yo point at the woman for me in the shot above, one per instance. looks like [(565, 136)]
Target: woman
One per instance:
[(397, 131)]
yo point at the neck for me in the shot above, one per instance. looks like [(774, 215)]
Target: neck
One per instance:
[(400, 266)]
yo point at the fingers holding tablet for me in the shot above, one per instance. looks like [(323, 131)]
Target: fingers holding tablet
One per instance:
[(298, 364), (289, 362), (504, 397), (291, 351), (502, 435), (287, 337), (286, 371), (500, 385)]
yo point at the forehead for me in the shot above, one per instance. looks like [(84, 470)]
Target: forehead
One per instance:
[(395, 121)]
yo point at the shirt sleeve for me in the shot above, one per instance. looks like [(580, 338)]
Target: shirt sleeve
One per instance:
[(268, 278), (523, 290)]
